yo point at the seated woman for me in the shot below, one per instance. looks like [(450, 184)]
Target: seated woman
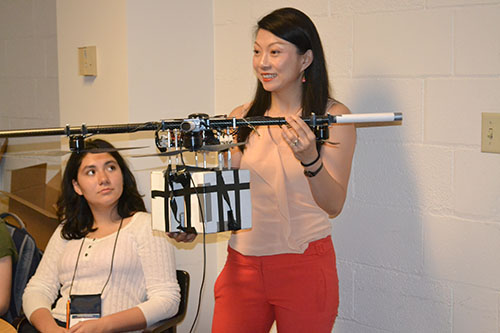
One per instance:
[(8, 255), (104, 253)]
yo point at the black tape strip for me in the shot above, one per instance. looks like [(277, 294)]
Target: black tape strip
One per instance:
[(156, 193), (202, 189), (187, 209), (236, 177), (169, 200), (232, 224), (219, 182), (167, 197)]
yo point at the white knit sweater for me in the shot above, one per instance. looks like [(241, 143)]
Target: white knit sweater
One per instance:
[(143, 272)]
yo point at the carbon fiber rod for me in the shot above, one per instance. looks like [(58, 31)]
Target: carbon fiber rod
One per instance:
[(197, 124)]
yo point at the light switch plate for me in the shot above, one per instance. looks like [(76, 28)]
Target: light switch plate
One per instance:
[(490, 132), (87, 61)]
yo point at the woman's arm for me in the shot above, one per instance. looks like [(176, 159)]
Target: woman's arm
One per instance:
[(128, 320), (158, 264), (44, 322), (43, 288), (329, 185), (5, 283)]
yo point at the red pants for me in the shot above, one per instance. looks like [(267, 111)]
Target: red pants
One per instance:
[(299, 291)]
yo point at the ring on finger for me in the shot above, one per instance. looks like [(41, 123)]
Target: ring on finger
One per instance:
[(295, 143)]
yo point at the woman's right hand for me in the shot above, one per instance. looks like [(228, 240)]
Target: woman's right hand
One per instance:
[(185, 237), (55, 329), (43, 321)]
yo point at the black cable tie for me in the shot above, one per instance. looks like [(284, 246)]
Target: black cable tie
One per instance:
[(84, 129)]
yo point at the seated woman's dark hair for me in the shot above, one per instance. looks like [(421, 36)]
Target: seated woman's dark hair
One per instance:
[(73, 210), (297, 28)]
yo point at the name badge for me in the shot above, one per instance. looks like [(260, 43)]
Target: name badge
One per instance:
[(84, 307)]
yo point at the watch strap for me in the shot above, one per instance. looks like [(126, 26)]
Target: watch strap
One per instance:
[(315, 172)]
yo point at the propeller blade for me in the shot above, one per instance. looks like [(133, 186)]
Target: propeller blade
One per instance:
[(53, 153), (167, 153), (56, 153), (221, 147), (109, 150)]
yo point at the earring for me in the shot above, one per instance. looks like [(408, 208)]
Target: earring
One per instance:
[(304, 79)]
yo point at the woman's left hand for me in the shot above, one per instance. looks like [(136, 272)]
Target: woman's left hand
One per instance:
[(300, 138)]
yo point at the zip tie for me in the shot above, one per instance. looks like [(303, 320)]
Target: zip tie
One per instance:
[(251, 126)]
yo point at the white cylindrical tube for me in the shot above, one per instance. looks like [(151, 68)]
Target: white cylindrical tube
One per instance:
[(367, 118)]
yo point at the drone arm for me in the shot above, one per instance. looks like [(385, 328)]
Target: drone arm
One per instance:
[(234, 121)]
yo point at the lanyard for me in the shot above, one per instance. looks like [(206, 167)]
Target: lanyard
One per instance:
[(112, 260)]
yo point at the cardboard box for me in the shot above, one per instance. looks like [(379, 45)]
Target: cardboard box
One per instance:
[(223, 196), (34, 201)]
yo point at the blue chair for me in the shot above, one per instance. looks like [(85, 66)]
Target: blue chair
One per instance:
[(29, 256)]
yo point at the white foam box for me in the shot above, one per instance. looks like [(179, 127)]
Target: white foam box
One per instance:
[(222, 195)]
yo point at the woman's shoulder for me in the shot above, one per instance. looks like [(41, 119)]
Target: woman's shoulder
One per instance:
[(58, 232), (141, 229), (141, 215), (3, 228), (240, 111), (335, 108), (140, 219), (57, 242), (7, 246), (140, 222)]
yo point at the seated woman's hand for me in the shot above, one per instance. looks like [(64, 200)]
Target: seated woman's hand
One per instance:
[(58, 329), (186, 237), (88, 326)]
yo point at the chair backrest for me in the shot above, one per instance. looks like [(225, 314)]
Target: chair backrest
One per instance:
[(29, 257), (169, 325), (183, 280)]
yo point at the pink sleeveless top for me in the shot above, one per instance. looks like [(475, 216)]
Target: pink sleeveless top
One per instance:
[(285, 217)]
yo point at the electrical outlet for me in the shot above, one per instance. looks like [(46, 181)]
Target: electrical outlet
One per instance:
[(490, 132)]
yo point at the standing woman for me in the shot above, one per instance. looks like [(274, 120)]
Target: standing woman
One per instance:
[(104, 252), (284, 268)]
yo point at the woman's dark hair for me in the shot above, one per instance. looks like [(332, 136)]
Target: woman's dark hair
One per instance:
[(73, 209), (297, 28)]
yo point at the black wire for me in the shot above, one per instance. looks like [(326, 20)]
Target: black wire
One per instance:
[(204, 256), (204, 250)]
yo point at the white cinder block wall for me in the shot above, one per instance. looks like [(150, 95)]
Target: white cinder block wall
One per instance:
[(418, 243)]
